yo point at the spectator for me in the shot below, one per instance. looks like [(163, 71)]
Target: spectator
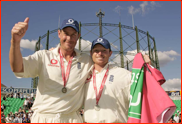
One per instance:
[(20, 110), (26, 119), (25, 104), (3, 117), (32, 95), (21, 96), (18, 94), (13, 119), (179, 115), (25, 96), (8, 119), (24, 113), (11, 113), (30, 112), (2, 114), (170, 120), (21, 116), (176, 118), (15, 95), (3, 120), (29, 103), (16, 117), (32, 101), (19, 119), (4, 97), (11, 95), (8, 95), (3, 107)]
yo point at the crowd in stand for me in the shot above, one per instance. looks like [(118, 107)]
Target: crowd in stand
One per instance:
[(17, 117), (176, 118), (23, 115)]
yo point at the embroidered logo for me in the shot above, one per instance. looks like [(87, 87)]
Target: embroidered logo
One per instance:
[(100, 40), (111, 78), (78, 65), (70, 21)]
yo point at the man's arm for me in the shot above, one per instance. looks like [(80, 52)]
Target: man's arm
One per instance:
[(15, 56)]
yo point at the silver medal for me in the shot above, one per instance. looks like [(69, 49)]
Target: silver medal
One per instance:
[(64, 90), (97, 107)]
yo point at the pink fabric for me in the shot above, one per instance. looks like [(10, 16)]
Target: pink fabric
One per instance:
[(154, 100)]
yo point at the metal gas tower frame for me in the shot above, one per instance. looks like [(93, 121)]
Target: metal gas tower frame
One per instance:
[(150, 41)]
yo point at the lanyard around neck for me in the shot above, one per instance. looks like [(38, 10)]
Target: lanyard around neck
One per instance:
[(102, 84)]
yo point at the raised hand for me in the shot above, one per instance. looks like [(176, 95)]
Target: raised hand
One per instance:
[(19, 30), (147, 59)]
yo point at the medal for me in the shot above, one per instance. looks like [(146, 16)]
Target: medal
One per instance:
[(97, 107), (64, 90), (65, 76)]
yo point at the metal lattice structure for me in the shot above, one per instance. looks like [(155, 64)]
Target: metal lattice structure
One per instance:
[(126, 42)]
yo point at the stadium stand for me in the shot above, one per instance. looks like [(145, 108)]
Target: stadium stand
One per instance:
[(178, 105), (12, 105)]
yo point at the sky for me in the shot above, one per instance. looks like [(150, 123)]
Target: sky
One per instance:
[(162, 19)]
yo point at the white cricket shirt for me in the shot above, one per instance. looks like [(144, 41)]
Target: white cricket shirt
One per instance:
[(49, 96), (114, 101)]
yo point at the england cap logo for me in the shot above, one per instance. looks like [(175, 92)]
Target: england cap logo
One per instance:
[(70, 23), (104, 42)]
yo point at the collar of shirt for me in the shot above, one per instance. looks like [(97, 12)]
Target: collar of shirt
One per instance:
[(103, 70), (78, 53)]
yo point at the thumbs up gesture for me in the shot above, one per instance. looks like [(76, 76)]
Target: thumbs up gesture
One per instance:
[(19, 30)]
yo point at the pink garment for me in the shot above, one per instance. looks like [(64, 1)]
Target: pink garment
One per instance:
[(156, 104)]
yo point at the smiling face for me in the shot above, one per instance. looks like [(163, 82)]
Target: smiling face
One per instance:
[(100, 55), (68, 38)]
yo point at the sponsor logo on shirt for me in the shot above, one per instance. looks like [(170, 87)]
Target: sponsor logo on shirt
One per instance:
[(53, 63)]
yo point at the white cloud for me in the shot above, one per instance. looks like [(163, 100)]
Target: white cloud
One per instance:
[(27, 44), (166, 57), (118, 9), (133, 10), (153, 4), (143, 8), (172, 85), (85, 45)]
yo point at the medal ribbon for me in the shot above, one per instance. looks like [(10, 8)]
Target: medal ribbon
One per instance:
[(102, 85), (65, 77)]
